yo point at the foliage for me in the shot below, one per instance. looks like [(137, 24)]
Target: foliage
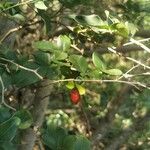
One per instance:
[(62, 42)]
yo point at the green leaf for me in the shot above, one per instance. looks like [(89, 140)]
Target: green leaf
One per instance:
[(48, 71), (59, 55), (42, 57), (97, 61), (79, 62), (6, 77), (69, 73), (68, 142), (45, 46), (26, 118), (4, 114), (121, 29), (91, 20), (19, 18), (8, 128), (96, 74), (82, 143), (4, 145), (40, 5), (63, 42), (114, 72), (81, 89), (70, 85), (47, 21), (54, 136), (23, 77)]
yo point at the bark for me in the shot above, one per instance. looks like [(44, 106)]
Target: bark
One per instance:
[(40, 104)]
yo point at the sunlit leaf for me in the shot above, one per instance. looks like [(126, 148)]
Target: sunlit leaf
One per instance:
[(91, 20), (97, 61), (45, 46), (25, 117), (40, 5), (115, 72), (79, 62), (81, 89), (63, 42), (70, 85)]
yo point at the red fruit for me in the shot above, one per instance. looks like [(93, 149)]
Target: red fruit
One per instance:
[(75, 96)]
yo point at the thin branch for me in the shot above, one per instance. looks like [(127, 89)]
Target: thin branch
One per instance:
[(76, 48), (16, 29), (135, 84), (129, 58), (140, 44), (143, 40), (3, 98), (19, 4), (126, 73), (24, 68), (9, 32)]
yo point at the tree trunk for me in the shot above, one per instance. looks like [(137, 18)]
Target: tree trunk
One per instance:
[(40, 104)]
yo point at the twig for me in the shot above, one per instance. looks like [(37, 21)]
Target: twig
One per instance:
[(24, 68), (16, 29), (76, 48), (143, 40), (140, 44), (9, 32), (135, 84), (19, 4), (3, 99), (129, 58), (126, 73)]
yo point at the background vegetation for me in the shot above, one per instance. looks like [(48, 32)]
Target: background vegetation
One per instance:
[(55, 51)]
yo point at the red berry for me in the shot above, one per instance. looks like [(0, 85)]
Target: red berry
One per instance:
[(75, 96)]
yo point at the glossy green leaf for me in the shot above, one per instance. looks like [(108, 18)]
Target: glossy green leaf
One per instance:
[(8, 128), (120, 29), (91, 20), (23, 77), (97, 61), (59, 55), (63, 42), (40, 5), (70, 85), (54, 136), (42, 57), (79, 62), (47, 21), (82, 143), (6, 77), (81, 89), (45, 46), (25, 117), (68, 142), (115, 72), (96, 74), (4, 114)]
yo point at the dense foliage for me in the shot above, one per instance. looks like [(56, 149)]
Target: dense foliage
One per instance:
[(74, 74)]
